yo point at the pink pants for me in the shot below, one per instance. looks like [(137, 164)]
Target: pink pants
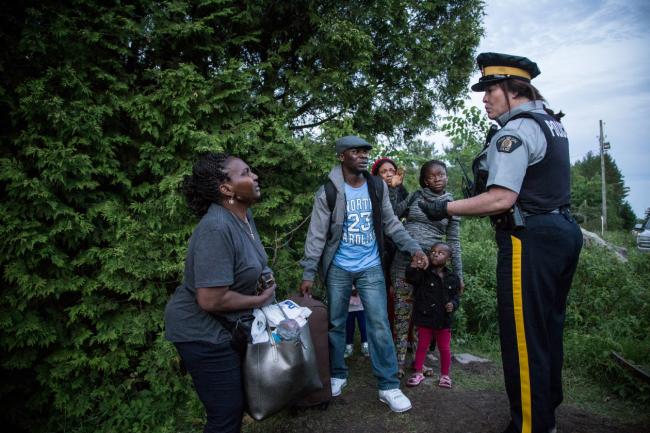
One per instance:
[(443, 341)]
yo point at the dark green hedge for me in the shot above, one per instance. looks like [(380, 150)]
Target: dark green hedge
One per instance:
[(103, 106)]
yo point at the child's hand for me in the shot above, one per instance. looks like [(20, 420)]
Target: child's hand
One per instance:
[(419, 260), (449, 307)]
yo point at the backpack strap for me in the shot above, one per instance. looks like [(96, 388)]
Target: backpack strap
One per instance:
[(330, 194), (330, 190)]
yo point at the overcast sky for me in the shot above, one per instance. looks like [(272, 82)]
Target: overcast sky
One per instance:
[(595, 63)]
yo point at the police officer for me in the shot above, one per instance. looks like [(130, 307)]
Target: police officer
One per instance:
[(523, 183)]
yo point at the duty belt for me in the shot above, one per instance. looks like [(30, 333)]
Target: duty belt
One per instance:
[(558, 210)]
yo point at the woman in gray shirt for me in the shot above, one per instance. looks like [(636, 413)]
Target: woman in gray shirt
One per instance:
[(224, 263), (433, 180)]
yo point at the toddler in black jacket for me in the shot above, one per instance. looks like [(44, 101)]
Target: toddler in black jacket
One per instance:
[(435, 291)]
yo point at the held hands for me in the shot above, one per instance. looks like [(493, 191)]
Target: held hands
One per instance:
[(419, 260), (434, 210)]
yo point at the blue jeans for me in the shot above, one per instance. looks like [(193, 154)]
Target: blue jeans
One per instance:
[(372, 290), (216, 373)]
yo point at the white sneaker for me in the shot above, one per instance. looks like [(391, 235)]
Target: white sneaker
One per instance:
[(338, 385), (348, 350), (364, 349), (395, 399)]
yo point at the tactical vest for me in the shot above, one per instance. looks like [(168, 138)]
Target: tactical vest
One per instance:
[(547, 184)]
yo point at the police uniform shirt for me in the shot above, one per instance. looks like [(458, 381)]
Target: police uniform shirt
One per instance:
[(517, 145)]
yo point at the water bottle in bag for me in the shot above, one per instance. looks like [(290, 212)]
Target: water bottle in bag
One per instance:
[(288, 329)]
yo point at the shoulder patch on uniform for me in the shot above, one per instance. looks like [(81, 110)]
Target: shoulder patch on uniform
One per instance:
[(508, 143)]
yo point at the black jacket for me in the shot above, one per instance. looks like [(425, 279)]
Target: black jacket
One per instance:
[(396, 195), (431, 294)]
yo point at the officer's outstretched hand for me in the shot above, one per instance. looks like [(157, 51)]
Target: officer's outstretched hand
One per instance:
[(434, 210)]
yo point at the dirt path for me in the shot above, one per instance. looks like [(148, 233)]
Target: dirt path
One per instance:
[(476, 404)]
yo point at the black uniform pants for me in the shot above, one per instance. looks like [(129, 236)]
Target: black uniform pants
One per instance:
[(535, 267)]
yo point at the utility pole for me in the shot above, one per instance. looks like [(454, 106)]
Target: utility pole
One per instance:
[(603, 147)]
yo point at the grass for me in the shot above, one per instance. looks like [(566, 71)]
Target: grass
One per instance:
[(584, 393), (579, 390)]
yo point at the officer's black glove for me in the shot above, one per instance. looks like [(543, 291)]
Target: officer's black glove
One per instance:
[(434, 210)]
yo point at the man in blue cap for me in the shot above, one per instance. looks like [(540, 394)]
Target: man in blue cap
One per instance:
[(344, 244), (523, 182)]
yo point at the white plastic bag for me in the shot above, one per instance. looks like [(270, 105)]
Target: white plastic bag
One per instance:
[(291, 311)]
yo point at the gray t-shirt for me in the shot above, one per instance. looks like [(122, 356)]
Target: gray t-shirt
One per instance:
[(221, 253), (427, 233)]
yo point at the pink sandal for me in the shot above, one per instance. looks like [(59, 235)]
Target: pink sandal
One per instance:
[(445, 382), (415, 379), (427, 371)]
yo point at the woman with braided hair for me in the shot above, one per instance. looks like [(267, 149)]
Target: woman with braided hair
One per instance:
[(225, 262)]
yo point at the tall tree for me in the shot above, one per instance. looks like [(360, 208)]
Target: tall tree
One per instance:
[(587, 197), (103, 106), (466, 132)]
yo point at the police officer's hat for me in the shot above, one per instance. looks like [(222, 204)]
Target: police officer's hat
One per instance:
[(496, 67)]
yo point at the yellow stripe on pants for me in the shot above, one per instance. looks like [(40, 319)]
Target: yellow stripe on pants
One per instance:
[(522, 349)]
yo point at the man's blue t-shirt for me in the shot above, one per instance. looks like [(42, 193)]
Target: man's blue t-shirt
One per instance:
[(358, 248)]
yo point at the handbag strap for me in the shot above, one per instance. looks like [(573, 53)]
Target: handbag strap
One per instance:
[(272, 341), (268, 327), (281, 310)]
